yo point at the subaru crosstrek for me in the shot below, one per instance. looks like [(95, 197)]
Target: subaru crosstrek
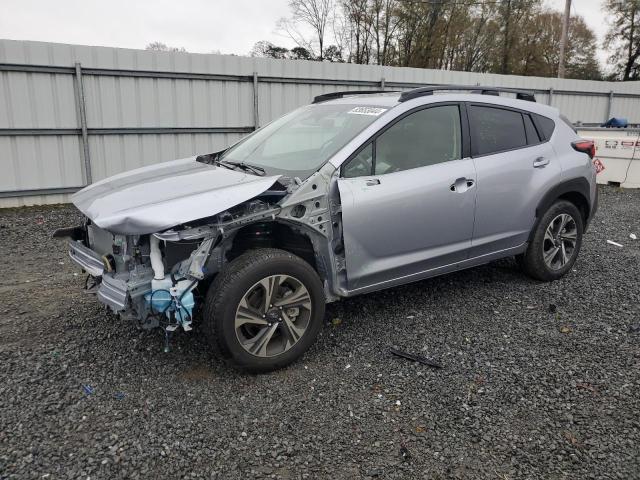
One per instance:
[(357, 192)]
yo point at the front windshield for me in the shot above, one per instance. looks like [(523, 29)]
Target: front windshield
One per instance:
[(303, 140)]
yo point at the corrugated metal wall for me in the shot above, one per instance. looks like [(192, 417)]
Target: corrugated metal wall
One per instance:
[(143, 107)]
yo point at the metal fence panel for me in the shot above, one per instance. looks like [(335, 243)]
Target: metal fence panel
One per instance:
[(34, 162), (628, 108), (114, 102), (582, 109), (36, 101), (143, 107), (111, 154)]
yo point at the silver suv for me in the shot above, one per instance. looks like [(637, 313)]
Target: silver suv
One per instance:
[(357, 192)]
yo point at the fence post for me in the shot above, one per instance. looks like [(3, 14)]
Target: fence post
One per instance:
[(256, 113), (82, 116), (382, 82), (551, 96), (609, 105)]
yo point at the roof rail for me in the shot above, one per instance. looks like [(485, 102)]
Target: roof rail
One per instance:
[(333, 95), (423, 91)]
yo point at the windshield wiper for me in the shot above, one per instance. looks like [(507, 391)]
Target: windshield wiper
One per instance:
[(242, 166), (214, 159)]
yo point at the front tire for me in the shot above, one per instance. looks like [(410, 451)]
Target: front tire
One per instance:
[(264, 310), (556, 243)]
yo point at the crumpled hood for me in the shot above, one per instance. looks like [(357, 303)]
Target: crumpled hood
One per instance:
[(154, 198)]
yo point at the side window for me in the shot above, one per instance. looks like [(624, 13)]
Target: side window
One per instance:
[(426, 137), (360, 165), (495, 130), (532, 133), (547, 125)]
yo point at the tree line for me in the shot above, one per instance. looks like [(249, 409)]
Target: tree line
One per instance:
[(519, 37)]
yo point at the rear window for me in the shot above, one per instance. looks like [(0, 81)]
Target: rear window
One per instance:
[(546, 125), (496, 130)]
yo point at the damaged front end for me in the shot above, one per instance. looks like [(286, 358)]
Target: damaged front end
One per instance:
[(152, 257), (130, 275), (152, 277)]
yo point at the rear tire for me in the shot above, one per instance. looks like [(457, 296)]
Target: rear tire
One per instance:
[(556, 243), (264, 310)]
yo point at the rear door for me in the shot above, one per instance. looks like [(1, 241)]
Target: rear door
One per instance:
[(516, 166), (408, 200)]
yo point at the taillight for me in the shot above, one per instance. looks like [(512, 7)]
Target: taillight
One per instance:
[(585, 146)]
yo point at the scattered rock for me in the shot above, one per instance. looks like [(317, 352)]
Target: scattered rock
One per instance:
[(515, 400)]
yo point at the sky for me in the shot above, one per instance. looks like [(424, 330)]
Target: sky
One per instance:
[(201, 26)]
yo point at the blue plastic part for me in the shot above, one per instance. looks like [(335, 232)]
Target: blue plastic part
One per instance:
[(160, 301), (185, 313), (616, 123)]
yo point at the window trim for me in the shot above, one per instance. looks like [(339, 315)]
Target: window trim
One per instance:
[(535, 127), (536, 122), (532, 115), (464, 134)]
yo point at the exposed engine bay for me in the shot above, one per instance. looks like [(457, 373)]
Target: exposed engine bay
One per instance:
[(154, 278)]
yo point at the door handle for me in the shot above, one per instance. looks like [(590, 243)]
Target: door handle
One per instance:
[(372, 181), (461, 185), (540, 162)]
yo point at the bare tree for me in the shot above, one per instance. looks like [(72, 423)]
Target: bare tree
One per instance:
[(507, 36), (358, 24), (623, 37), (384, 24), (314, 14)]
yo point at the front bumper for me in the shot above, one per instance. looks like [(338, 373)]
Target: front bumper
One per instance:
[(89, 260), (113, 292), (116, 290)]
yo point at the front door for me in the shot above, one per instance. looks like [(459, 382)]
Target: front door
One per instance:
[(408, 201)]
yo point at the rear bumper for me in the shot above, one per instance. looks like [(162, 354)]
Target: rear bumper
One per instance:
[(86, 258)]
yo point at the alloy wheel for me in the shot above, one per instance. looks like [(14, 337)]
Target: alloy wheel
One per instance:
[(559, 243), (273, 315)]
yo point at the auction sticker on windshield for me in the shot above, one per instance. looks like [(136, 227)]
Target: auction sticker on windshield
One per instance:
[(373, 111)]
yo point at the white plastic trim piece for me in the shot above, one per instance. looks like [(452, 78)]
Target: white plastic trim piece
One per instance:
[(156, 257)]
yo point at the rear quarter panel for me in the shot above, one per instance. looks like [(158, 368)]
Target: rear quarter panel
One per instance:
[(574, 164)]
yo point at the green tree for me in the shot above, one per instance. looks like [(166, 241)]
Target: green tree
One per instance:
[(333, 54), (300, 53), (163, 47), (267, 49), (538, 50)]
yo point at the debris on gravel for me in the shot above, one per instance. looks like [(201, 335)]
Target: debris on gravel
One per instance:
[(541, 380)]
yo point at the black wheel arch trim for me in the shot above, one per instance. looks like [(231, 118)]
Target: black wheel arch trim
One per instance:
[(577, 185)]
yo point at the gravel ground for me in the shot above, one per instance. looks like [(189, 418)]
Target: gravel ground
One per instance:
[(527, 390)]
